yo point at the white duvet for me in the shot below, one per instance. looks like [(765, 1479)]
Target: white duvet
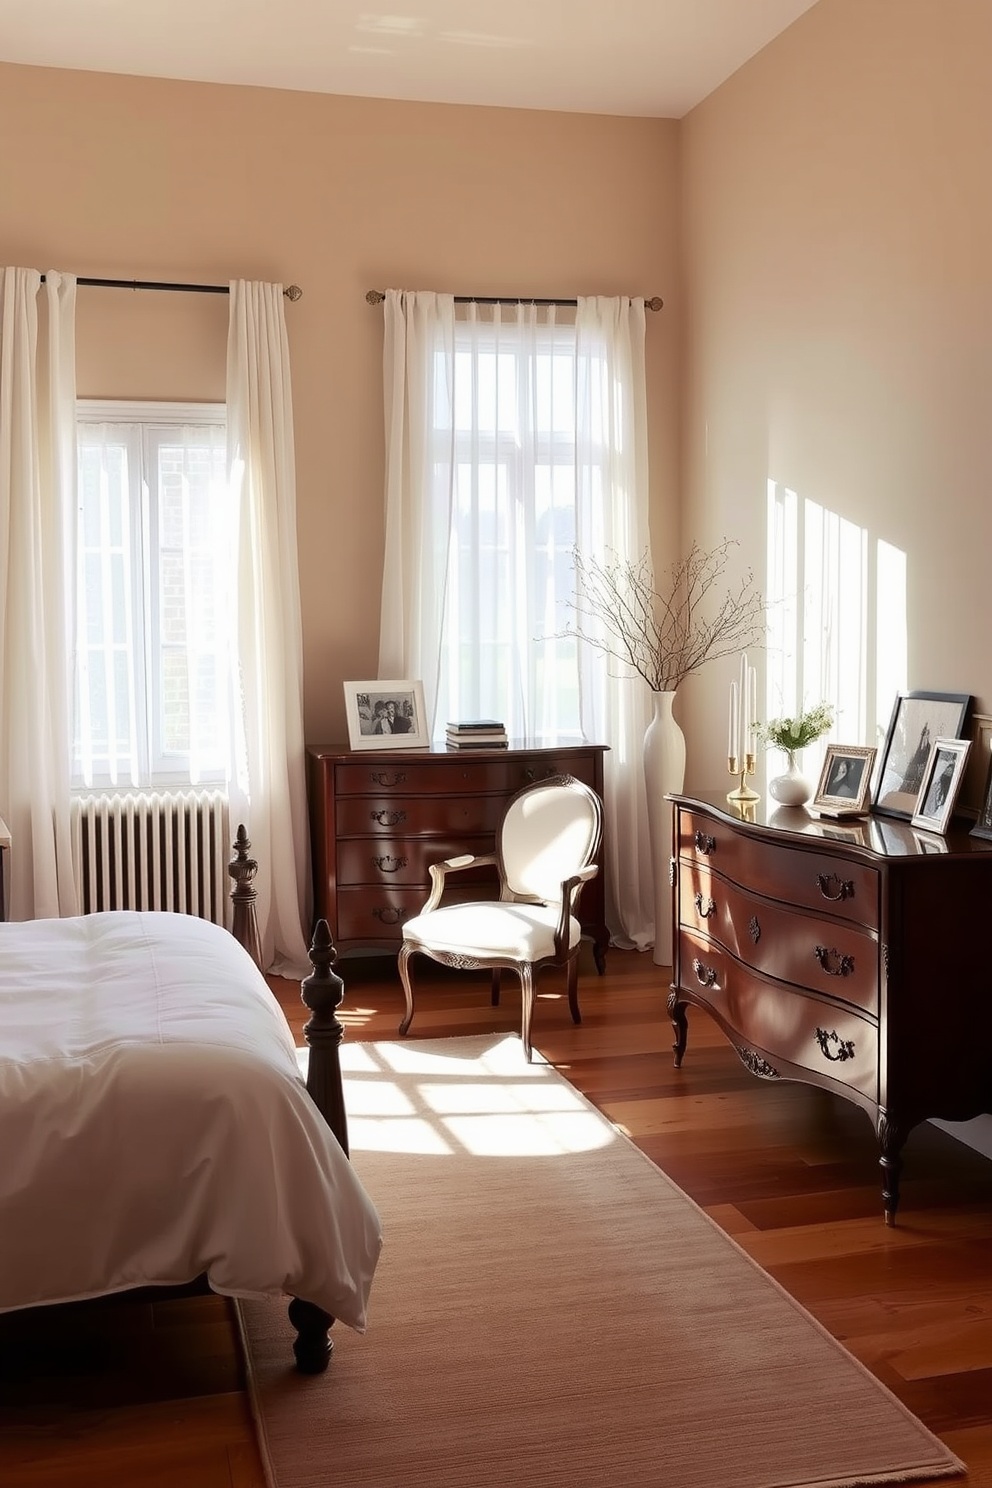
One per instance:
[(154, 1124)]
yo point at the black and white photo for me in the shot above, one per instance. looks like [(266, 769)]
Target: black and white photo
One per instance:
[(845, 780), (386, 715), (918, 718), (940, 784)]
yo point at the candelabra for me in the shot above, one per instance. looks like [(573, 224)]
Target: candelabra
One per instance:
[(743, 766)]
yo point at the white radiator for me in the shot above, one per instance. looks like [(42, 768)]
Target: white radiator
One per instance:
[(149, 850)]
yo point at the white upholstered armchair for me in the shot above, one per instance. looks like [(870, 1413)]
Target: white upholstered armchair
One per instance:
[(545, 851)]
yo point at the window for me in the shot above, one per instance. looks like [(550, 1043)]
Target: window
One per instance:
[(152, 596), (506, 421)]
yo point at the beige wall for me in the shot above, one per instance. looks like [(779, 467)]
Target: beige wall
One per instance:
[(820, 229), (837, 236), (133, 178)]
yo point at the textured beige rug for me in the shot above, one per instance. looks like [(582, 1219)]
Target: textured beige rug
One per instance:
[(551, 1311)]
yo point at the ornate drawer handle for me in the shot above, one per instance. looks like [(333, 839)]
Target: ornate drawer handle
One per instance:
[(389, 916), (387, 779), (844, 965), (704, 843), (389, 864), (705, 975), (530, 774), (832, 887), (845, 1047), (388, 818), (710, 907)]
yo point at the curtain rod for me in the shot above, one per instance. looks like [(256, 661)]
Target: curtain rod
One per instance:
[(376, 297), (292, 291)]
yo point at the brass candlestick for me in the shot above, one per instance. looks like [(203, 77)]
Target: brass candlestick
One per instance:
[(743, 766)]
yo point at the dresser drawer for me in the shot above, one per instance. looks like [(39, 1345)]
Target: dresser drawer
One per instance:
[(502, 775), (454, 818), (826, 955), (406, 860), (375, 914), (834, 886), (830, 1041)]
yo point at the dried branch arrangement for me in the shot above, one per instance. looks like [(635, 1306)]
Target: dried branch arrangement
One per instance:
[(665, 634)]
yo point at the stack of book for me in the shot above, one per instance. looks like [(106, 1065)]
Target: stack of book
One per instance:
[(476, 733)]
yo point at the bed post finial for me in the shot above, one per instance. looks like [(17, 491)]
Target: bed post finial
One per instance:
[(242, 870), (322, 992)]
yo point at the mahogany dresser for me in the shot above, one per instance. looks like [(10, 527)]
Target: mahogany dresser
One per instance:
[(379, 818), (854, 956)]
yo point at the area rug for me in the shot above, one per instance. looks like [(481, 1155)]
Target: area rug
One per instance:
[(551, 1311)]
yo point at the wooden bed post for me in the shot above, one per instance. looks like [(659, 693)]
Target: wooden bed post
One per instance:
[(322, 992), (242, 869)]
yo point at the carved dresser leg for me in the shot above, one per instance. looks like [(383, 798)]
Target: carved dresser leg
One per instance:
[(676, 1011), (891, 1137)]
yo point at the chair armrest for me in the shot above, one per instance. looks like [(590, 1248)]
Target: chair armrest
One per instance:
[(570, 891), (440, 871)]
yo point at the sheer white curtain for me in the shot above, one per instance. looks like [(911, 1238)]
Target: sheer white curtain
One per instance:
[(513, 435), (270, 793), (37, 514)]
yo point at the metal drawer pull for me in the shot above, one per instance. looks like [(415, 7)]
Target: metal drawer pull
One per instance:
[(389, 916), (389, 864), (710, 907), (832, 887), (394, 777), (704, 843), (845, 1047), (705, 975), (388, 818), (844, 965)]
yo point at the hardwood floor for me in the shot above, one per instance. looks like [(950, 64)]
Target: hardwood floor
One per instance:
[(126, 1393)]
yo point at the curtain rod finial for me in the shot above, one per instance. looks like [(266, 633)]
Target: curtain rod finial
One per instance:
[(655, 303), (374, 297), (293, 292)]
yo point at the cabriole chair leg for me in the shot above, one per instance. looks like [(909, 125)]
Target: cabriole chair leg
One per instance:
[(402, 962)]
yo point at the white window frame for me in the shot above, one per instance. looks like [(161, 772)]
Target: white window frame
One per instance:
[(150, 766)]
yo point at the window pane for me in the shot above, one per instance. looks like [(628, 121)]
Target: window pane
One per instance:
[(152, 604)]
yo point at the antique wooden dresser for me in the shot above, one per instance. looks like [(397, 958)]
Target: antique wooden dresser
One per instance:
[(379, 818), (855, 956)]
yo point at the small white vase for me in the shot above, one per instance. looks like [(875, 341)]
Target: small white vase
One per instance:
[(664, 772), (792, 788)]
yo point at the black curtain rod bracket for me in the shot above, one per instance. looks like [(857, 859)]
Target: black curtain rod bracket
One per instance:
[(376, 297)]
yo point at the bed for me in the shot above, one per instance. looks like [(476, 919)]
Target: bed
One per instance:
[(156, 1131)]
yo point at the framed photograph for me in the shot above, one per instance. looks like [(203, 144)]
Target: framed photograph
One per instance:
[(845, 781), (983, 822), (941, 782), (386, 715), (918, 718)]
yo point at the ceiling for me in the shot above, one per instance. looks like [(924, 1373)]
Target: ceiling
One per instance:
[(654, 58)]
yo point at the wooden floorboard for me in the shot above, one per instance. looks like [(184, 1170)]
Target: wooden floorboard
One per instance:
[(153, 1394)]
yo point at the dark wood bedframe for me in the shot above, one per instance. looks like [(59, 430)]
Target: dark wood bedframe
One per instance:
[(322, 992)]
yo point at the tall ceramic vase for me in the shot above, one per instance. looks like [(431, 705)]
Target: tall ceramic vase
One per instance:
[(664, 771)]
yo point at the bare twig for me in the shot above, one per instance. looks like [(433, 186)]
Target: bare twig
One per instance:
[(664, 634)]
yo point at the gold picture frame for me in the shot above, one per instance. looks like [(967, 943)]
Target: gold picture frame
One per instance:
[(845, 780)]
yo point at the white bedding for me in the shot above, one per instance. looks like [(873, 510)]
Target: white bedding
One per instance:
[(154, 1124)]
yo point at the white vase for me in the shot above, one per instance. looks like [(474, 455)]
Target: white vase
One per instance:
[(664, 772), (792, 788)]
